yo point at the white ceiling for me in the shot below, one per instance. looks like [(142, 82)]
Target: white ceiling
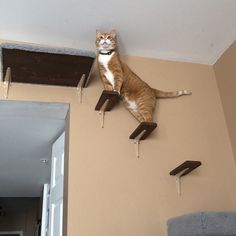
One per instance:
[(185, 30), (27, 131)]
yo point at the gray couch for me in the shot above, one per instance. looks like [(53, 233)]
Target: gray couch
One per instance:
[(204, 224)]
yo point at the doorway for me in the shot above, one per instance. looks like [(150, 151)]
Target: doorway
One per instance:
[(28, 131)]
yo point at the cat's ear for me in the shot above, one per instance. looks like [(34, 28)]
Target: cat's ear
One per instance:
[(98, 33), (113, 33)]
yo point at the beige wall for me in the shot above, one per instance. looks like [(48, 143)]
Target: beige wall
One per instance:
[(21, 215), (111, 192), (225, 71)]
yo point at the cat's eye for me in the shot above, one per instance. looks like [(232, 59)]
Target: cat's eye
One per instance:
[(108, 37), (101, 37)]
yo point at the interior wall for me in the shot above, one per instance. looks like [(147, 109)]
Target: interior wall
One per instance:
[(225, 71), (111, 192), (21, 215)]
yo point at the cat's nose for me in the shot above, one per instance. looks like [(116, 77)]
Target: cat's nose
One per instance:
[(105, 44)]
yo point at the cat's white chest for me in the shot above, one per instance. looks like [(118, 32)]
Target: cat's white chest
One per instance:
[(104, 60)]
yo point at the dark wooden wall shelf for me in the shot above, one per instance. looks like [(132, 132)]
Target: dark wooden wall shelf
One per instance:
[(143, 130), (109, 97), (188, 166), (45, 68)]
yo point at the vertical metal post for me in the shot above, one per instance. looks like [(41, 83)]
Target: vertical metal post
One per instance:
[(102, 112), (178, 182), (7, 82), (137, 143), (80, 87)]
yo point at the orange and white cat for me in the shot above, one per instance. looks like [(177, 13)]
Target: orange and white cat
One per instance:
[(138, 97)]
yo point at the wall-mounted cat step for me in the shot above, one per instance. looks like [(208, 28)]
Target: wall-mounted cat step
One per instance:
[(182, 170), (142, 132), (185, 168), (106, 102)]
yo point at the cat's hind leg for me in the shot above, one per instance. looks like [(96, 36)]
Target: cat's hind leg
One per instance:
[(142, 114), (145, 107), (133, 109), (137, 115), (147, 115)]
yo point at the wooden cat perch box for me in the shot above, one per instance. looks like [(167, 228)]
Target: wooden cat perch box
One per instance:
[(36, 64)]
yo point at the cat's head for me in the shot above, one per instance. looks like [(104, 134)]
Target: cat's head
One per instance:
[(105, 42)]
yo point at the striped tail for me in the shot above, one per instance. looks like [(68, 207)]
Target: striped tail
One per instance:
[(174, 94)]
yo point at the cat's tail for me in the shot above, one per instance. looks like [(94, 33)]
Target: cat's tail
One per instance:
[(178, 93)]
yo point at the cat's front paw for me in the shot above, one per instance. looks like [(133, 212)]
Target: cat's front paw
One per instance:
[(117, 91)]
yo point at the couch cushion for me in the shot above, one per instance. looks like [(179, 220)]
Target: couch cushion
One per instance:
[(203, 223)]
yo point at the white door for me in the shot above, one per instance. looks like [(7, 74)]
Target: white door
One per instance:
[(56, 188), (45, 216)]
